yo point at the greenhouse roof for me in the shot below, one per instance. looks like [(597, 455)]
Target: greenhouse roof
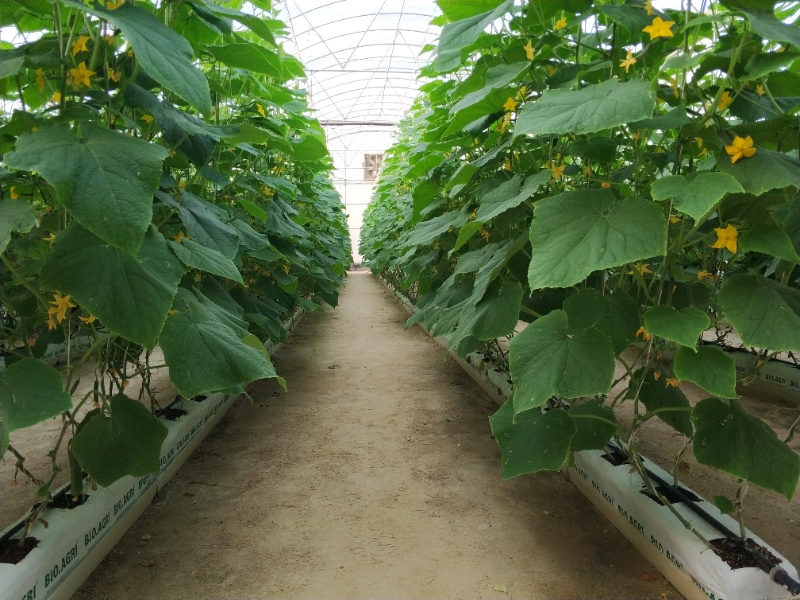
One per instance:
[(361, 58)]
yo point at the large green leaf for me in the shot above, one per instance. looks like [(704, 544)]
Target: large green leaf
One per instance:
[(494, 316), (546, 360), (729, 439), (682, 326), (459, 35), (249, 57), (497, 77), (130, 295), (509, 195), (769, 239), (427, 231), (15, 215), (615, 315), (578, 232), (164, 54), (205, 354), (531, 441), (698, 196), (709, 367), (204, 225), (764, 171), (30, 392), (593, 429), (456, 10), (767, 26), (765, 313), (659, 394), (586, 110), (195, 256), (106, 179), (128, 442)]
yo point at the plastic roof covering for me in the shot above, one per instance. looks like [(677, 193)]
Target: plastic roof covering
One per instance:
[(361, 57)]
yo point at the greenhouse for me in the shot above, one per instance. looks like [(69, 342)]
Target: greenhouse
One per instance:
[(400, 299)]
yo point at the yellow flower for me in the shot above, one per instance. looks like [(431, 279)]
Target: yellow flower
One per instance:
[(587, 172), (88, 320), (110, 39), (510, 104), (40, 78), (55, 98), (504, 123), (702, 152), (659, 28), (114, 75), (628, 62), (180, 236), (673, 219), (558, 172), (643, 332), (648, 6), (260, 110), (507, 164), (641, 268), (197, 277), (172, 312), (13, 191), (726, 238), (561, 23), (484, 234), (699, 141), (673, 382), (740, 148), (551, 70), (529, 51), (59, 307), (147, 119), (80, 45), (286, 268), (114, 4), (51, 322), (435, 247), (674, 84), (706, 275), (605, 185), (80, 76), (725, 100), (760, 89), (31, 342), (521, 92), (50, 238)]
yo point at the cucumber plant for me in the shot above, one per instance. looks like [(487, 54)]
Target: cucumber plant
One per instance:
[(161, 184), (613, 175)]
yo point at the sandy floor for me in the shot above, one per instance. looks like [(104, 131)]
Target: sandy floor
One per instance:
[(374, 476)]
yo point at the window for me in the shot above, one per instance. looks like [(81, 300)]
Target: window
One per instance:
[(372, 166)]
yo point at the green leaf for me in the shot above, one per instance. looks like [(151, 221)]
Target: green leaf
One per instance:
[(672, 120), (769, 239), (709, 367), (465, 233), (764, 171), (106, 180), (126, 443), (657, 393), (130, 295), (698, 196), (531, 441), (724, 505), (682, 326), (762, 65), (494, 316), (509, 195), (729, 439), (497, 77), (15, 215), (617, 315), (586, 110), (203, 224), (427, 231), (546, 361), (165, 55), (591, 433), (457, 10), (765, 313), (459, 35), (205, 354), (195, 256), (30, 392), (576, 233), (767, 26)]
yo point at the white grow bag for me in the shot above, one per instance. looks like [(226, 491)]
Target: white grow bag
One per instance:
[(76, 540), (695, 571)]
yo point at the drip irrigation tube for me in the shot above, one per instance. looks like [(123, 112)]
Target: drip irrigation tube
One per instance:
[(775, 572)]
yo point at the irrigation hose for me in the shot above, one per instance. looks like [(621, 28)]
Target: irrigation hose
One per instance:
[(776, 573)]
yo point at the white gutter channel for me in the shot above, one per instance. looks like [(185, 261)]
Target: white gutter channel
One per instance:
[(694, 570), (77, 540)]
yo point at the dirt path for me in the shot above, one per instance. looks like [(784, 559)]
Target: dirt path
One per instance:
[(373, 476)]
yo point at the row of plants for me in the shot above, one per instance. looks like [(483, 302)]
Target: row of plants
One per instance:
[(162, 184), (615, 176)]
